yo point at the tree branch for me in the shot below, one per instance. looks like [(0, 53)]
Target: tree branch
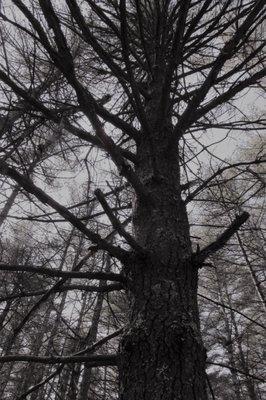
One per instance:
[(137, 103), (217, 173), (239, 371), (116, 223), (212, 248), (223, 98), (59, 369), (232, 309), (93, 361), (225, 54), (65, 288), (94, 140), (29, 186), (39, 270)]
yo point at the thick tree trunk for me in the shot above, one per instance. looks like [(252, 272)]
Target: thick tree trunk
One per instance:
[(162, 355)]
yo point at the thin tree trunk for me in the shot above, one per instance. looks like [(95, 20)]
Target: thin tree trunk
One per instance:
[(9, 204), (74, 371), (249, 383), (228, 346), (87, 373), (254, 277), (29, 375), (63, 381), (4, 314), (10, 201), (43, 370), (6, 369)]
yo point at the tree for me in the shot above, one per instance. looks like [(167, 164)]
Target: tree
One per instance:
[(150, 79), (234, 282)]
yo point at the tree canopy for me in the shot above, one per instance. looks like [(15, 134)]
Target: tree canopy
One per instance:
[(131, 172)]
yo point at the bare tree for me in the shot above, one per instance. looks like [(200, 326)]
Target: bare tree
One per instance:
[(145, 83)]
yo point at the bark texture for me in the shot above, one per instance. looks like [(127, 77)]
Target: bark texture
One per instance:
[(162, 355)]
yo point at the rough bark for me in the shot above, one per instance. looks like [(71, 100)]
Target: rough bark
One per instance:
[(162, 355)]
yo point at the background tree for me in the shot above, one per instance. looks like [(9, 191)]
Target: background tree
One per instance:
[(127, 99)]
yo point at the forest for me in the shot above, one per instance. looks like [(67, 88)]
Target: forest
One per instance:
[(132, 229)]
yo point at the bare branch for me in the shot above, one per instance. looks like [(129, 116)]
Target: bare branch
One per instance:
[(65, 288), (239, 371), (93, 361), (219, 172), (116, 223), (29, 186), (232, 309), (39, 270), (212, 248), (226, 53)]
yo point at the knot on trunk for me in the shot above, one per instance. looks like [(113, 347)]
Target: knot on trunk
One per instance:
[(164, 294)]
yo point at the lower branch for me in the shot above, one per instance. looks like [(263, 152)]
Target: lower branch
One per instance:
[(39, 270), (239, 371), (92, 361), (212, 248), (61, 366), (30, 187), (84, 288), (232, 309)]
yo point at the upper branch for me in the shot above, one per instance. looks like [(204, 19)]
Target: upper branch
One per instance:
[(59, 59), (217, 173), (174, 58), (126, 54), (229, 49)]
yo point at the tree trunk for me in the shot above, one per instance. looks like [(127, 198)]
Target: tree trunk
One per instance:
[(162, 355), (228, 345), (253, 274), (243, 360), (92, 336), (9, 203), (28, 375)]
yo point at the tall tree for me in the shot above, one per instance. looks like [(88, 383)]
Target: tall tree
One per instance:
[(150, 79)]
